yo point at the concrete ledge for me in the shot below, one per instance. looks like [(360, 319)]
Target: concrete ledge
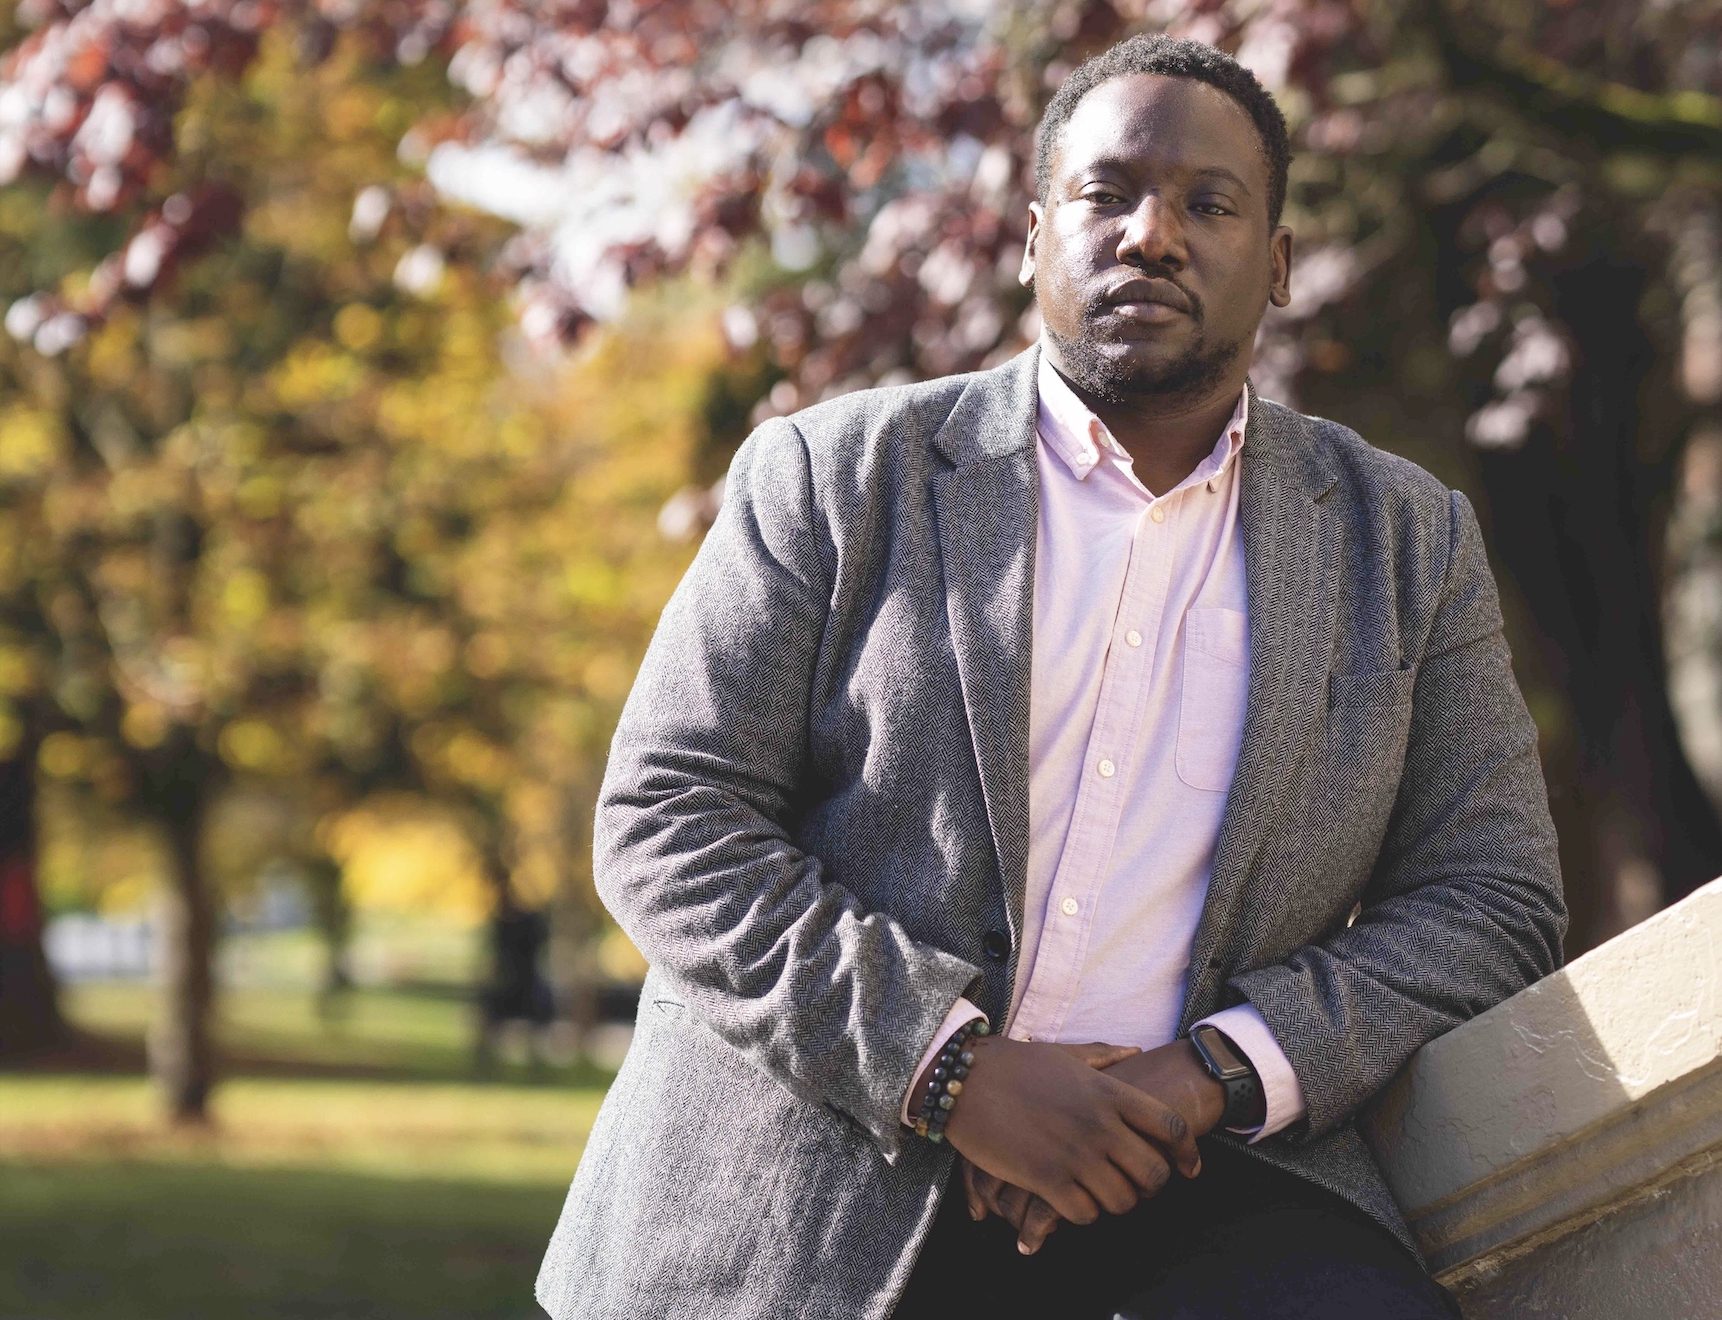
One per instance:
[(1580, 1095)]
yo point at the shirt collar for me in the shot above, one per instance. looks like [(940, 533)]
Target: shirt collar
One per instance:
[(1080, 439)]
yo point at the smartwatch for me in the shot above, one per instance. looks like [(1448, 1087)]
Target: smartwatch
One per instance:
[(1227, 1066)]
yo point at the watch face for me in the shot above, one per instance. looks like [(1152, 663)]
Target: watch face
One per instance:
[(1220, 1050)]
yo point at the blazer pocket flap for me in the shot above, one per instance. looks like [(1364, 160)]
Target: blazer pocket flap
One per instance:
[(1374, 687)]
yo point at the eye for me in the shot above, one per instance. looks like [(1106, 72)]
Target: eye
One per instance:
[(1102, 196), (1213, 208)]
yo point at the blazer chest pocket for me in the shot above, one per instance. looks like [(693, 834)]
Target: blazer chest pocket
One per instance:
[(1216, 688)]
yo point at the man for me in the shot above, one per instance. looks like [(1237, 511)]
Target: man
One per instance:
[(1097, 697)]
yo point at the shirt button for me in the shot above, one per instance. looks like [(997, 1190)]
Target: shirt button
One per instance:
[(1133, 637), (1070, 907), (1106, 767), (1158, 514)]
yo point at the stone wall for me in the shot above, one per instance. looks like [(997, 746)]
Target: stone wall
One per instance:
[(1561, 1154)]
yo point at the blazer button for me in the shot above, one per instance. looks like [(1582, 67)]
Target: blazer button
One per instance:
[(995, 944)]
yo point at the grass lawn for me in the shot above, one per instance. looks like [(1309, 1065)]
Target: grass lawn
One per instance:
[(355, 1170)]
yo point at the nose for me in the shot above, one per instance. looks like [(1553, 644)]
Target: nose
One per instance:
[(1153, 235)]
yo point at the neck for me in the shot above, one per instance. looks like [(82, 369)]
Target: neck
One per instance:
[(1165, 435)]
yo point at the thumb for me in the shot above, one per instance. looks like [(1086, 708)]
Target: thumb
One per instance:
[(1097, 1054)]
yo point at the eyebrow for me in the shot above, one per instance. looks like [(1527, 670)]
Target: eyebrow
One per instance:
[(1211, 171)]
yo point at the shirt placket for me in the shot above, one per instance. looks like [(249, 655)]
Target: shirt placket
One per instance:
[(1108, 769)]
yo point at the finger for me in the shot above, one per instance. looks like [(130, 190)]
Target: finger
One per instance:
[(1071, 1202), (1098, 1054), (971, 1194), (1160, 1123), (1143, 1164), (1037, 1225), (989, 1188), (1110, 1188), (1013, 1204)]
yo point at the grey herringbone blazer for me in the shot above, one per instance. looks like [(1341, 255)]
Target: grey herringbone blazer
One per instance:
[(816, 813)]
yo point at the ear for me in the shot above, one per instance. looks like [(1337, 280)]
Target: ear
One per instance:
[(1025, 276), (1280, 259)]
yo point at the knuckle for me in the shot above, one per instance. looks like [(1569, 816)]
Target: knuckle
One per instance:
[(1176, 1125), (1072, 1154)]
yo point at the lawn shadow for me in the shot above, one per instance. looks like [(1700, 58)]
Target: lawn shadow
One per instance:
[(140, 1240)]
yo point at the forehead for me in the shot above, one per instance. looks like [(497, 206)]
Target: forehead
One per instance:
[(1163, 121)]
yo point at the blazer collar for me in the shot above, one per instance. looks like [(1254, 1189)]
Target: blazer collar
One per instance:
[(987, 511), (998, 410)]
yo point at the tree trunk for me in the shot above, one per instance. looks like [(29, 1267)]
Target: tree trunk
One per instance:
[(30, 1018), (334, 917), (181, 1051), (1581, 515)]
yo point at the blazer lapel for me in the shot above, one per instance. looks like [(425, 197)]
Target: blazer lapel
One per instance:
[(987, 506), (1290, 585)]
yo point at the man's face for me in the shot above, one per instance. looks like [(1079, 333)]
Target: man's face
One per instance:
[(1152, 258)]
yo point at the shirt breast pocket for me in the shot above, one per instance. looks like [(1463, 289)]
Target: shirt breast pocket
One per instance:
[(1216, 684)]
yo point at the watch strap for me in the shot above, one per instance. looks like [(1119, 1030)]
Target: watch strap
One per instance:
[(1243, 1089)]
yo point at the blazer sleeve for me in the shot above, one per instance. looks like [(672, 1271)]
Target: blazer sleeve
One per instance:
[(1464, 906), (692, 846)]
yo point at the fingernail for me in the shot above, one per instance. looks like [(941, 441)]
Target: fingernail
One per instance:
[(974, 1214), (1025, 1248)]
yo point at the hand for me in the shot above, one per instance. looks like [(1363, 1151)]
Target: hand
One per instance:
[(983, 1191), (1044, 1118), (1173, 1072)]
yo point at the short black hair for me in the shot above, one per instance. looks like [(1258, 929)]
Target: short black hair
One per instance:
[(1175, 57)]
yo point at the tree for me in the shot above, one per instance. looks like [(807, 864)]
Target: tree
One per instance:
[(30, 1018), (1529, 189), (1497, 202), (292, 520)]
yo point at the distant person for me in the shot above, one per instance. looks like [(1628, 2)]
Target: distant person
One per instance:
[(1065, 792), (517, 996)]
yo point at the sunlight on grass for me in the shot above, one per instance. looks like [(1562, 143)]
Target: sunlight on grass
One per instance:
[(485, 1133), (384, 1029), (357, 1166)]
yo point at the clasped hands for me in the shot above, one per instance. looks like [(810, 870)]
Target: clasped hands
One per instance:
[(1050, 1132)]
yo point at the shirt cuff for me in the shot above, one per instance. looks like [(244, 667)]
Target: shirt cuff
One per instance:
[(962, 1011), (1245, 1028)]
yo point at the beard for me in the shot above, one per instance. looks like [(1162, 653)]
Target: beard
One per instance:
[(1195, 371)]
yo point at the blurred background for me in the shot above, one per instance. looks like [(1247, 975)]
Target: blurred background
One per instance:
[(366, 377)]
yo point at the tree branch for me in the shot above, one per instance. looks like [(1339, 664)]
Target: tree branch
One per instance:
[(1612, 115)]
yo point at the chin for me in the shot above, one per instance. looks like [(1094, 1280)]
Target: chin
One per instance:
[(1121, 371)]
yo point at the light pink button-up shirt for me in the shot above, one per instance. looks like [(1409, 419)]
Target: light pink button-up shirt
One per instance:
[(1138, 686)]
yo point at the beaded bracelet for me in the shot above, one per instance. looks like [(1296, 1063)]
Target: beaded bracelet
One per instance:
[(947, 1081)]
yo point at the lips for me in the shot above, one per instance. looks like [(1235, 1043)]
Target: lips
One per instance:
[(1148, 293)]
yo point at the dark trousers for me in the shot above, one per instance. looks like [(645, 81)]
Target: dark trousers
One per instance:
[(1241, 1241)]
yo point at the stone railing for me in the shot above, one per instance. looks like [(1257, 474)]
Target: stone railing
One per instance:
[(1561, 1154)]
